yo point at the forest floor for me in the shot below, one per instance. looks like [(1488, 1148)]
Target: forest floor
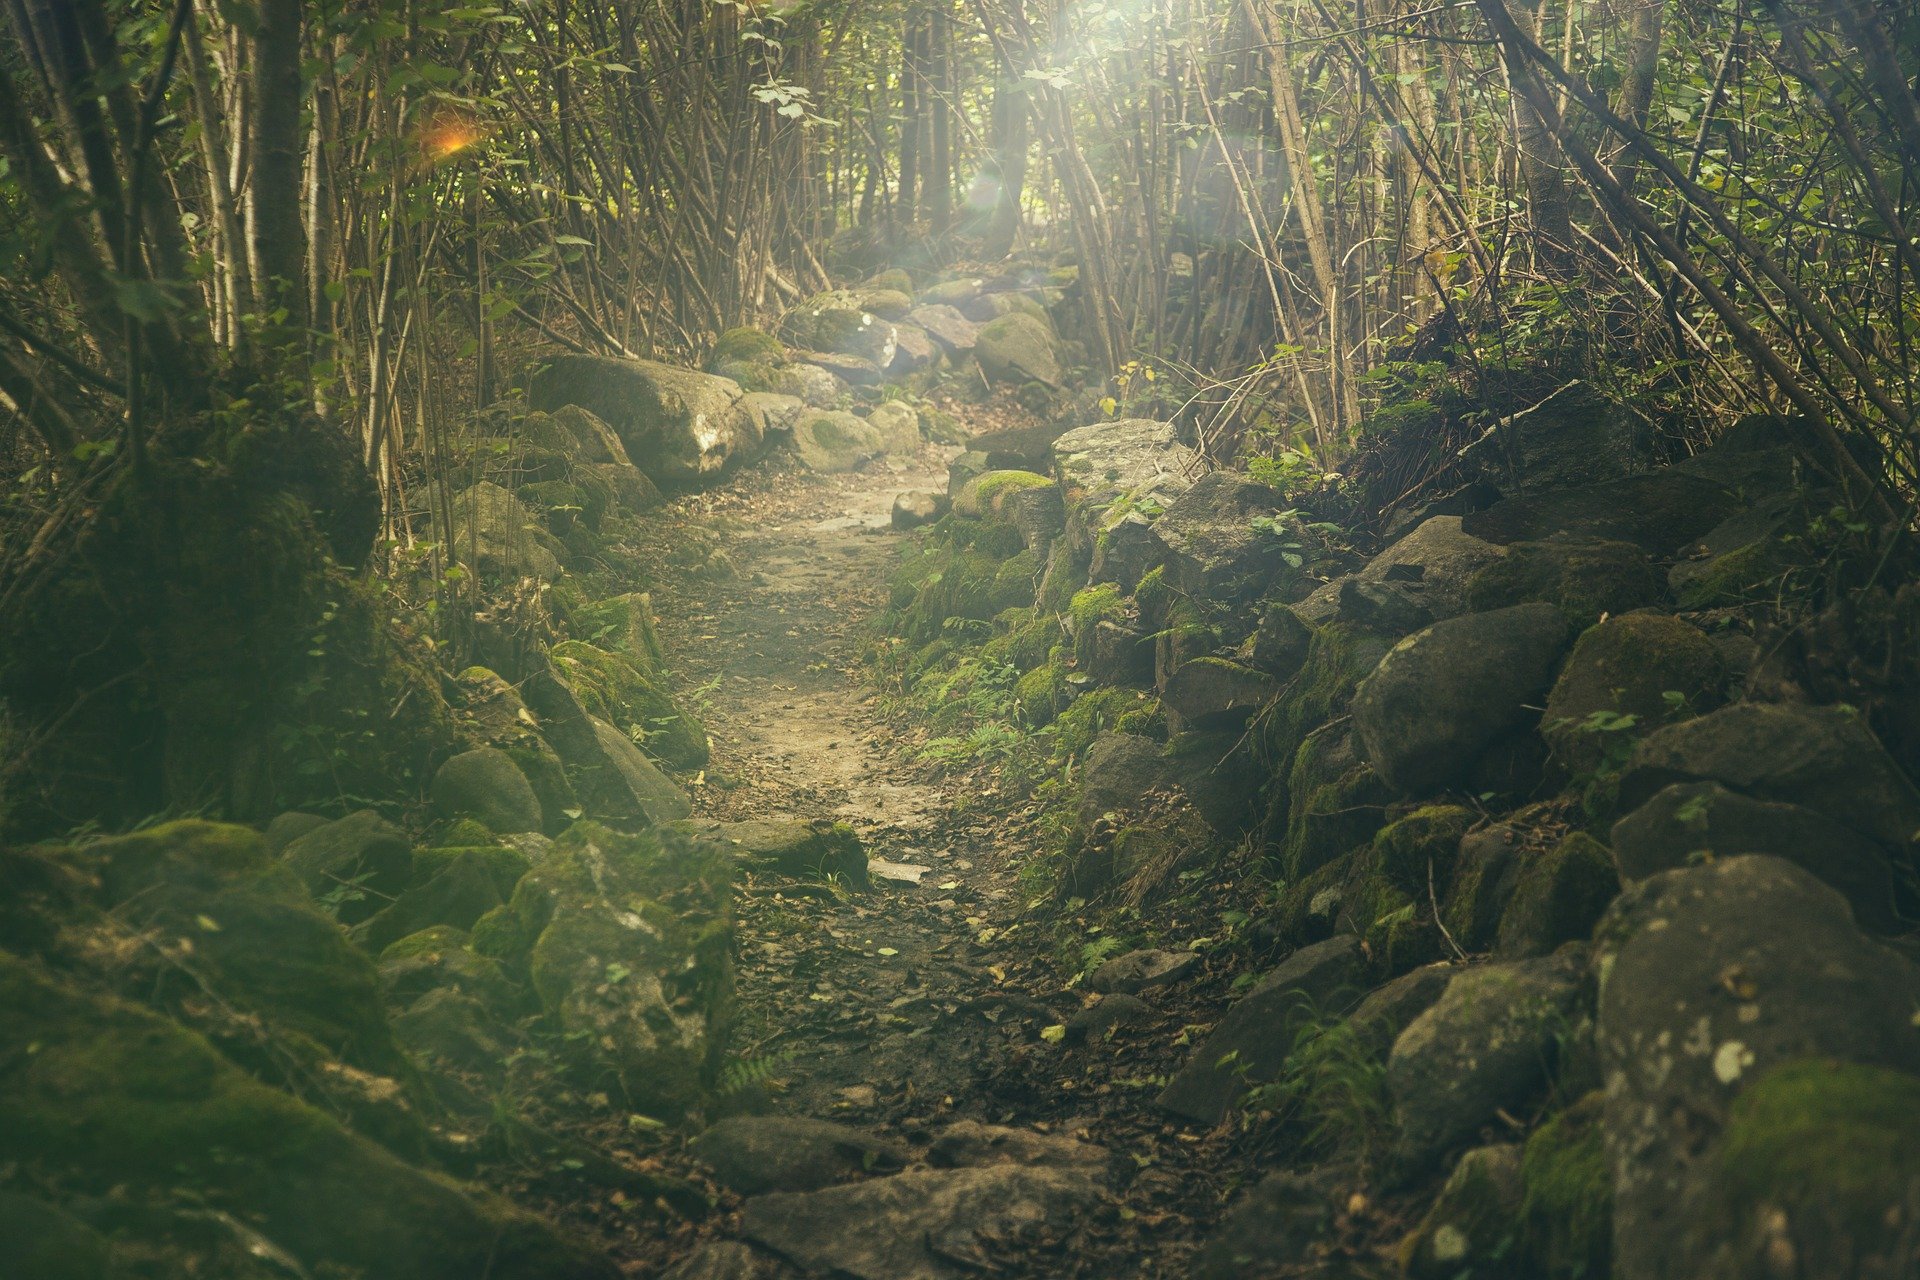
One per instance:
[(933, 995)]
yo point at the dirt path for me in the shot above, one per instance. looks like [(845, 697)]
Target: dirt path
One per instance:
[(925, 1000)]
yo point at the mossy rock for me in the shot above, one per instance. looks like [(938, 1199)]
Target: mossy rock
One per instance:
[(567, 505), (894, 280), (103, 1095), (1558, 897), (1339, 656), (439, 959), (1106, 711), (612, 688), (274, 977), (1042, 694), (1026, 641), (1308, 908), (43, 1242), (1637, 672), (631, 958), (1335, 802), (1820, 1160), (746, 345), (1473, 1227), (1418, 851), (1485, 872), (956, 584), (1014, 581), (625, 625), (1587, 578), (491, 713), (1567, 1212)]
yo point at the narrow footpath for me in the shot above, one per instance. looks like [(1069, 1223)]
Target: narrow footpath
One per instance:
[(920, 1011)]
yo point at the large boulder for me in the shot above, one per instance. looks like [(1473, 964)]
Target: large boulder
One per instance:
[(1575, 436), (628, 943), (497, 536), (1214, 546), (1434, 565), (680, 426), (1099, 463), (794, 847), (486, 784), (1216, 693), (106, 1099), (1687, 821), (831, 440), (1488, 1044), (1713, 980), (617, 689), (1587, 578), (1029, 504), (1016, 348), (946, 326), (1658, 511), (1557, 897), (914, 349), (1251, 1043), (1824, 758), (1625, 678), (492, 714), (899, 426), (1443, 696)]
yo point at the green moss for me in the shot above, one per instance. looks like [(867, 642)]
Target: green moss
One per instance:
[(1335, 802), (1473, 1226), (1067, 567), (611, 687), (1014, 581), (623, 624), (466, 833), (1419, 849), (104, 1095), (504, 866), (955, 583), (1586, 580), (1567, 1213), (893, 280), (1558, 897), (1339, 657), (1042, 693), (1836, 1148), (747, 346), (1642, 669), (1102, 711), (1027, 640)]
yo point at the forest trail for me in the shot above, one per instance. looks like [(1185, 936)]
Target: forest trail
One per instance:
[(889, 1009)]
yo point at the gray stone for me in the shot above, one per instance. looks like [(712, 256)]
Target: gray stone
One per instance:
[(1253, 1039), (1391, 1007), (918, 507), (361, 850), (1624, 667), (1557, 897), (794, 847), (486, 784), (848, 370), (1659, 511), (933, 1224), (837, 325), (1575, 436), (1823, 758), (1690, 821), (753, 1155), (965, 466), (1212, 551), (914, 349), (497, 536), (1487, 1045), (1015, 349), (1710, 978), (1099, 1022), (898, 425), (290, 826), (1122, 769), (813, 386), (1473, 1227), (1444, 695), (656, 796), (680, 426), (1433, 565), (832, 440), (946, 326), (952, 293), (1134, 972), (1587, 578), (1279, 645), (970, 1144), (775, 413), (1101, 462), (1215, 693)]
